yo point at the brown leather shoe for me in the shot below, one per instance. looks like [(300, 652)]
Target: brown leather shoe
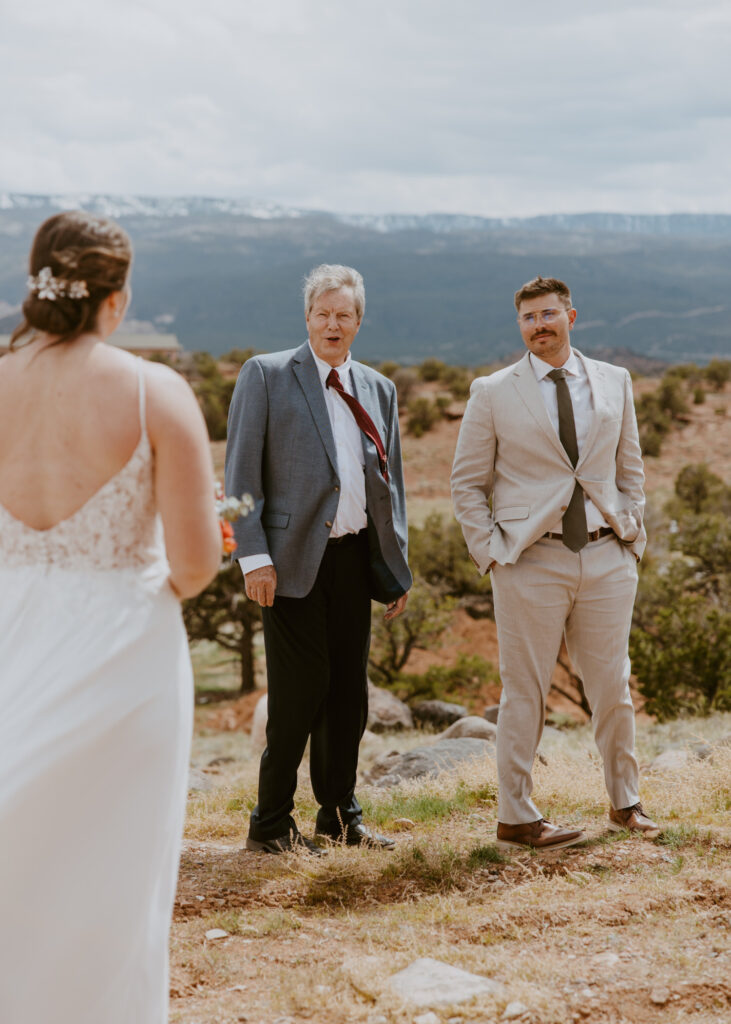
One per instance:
[(634, 820), (537, 835)]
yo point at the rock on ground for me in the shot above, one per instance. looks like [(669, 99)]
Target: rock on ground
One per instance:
[(672, 760), (471, 726), (490, 713), (437, 712), (393, 767), (198, 782), (385, 711), (428, 982), (514, 1010)]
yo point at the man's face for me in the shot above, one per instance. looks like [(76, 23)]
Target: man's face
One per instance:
[(332, 324), (545, 326)]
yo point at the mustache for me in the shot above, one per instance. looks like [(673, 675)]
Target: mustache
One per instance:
[(544, 330)]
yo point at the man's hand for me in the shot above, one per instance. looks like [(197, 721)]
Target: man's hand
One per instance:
[(396, 607), (261, 584)]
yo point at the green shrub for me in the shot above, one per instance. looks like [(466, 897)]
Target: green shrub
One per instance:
[(706, 538), (699, 396), (438, 554), (419, 627), (388, 368), (432, 369), (458, 380), (700, 490), (653, 423), (469, 673), (651, 442), (422, 415), (238, 356), (718, 373), (671, 396), (680, 642), (683, 665), (405, 380)]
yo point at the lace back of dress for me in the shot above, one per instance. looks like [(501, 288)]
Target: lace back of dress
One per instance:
[(117, 528)]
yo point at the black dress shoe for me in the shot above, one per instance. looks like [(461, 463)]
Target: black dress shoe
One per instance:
[(358, 834), (292, 842)]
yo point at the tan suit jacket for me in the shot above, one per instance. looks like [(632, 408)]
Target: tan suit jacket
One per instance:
[(512, 478)]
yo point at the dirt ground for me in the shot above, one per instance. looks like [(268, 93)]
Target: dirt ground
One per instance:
[(617, 931)]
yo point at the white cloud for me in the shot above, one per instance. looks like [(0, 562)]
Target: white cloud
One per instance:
[(373, 106)]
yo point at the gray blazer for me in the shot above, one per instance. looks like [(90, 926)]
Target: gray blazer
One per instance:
[(512, 478), (281, 451)]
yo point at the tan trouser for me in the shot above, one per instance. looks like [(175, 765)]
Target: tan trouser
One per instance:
[(588, 596)]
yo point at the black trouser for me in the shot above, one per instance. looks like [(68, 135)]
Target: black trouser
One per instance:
[(317, 656)]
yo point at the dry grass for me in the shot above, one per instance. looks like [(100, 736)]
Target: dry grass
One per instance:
[(583, 934)]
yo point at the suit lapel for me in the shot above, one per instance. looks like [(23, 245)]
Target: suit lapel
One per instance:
[(309, 380), (599, 403), (527, 387)]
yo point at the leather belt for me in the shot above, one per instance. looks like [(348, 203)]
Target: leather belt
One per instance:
[(603, 531), (346, 537)]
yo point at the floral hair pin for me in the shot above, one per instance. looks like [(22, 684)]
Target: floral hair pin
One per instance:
[(49, 287)]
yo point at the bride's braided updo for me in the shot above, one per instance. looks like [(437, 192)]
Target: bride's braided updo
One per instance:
[(75, 247)]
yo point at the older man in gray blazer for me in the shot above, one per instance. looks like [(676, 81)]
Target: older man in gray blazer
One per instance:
[(547, 485), (313, 436)]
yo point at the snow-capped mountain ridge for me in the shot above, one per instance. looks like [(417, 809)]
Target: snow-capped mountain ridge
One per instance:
[(128, 206)]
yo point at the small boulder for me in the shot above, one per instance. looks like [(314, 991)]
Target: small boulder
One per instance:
[(198, 782), (428, 982), (382, 766), (437, 712), (490, 713), (515, 1010), (427, 762), (471, 726), (672, 760), (259, 726), (385, 711)]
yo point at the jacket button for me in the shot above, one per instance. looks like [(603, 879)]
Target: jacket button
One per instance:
[(336, 488), (329, 525), (564, 508)]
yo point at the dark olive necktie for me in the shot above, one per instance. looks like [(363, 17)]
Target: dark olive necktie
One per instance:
[(362, 418), (573, 523)]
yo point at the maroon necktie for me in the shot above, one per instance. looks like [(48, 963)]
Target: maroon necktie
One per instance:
[(362, 418)]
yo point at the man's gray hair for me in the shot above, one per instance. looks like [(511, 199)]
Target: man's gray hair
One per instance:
[(329, 276)]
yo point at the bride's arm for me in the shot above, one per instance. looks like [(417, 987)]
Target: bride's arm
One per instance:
[(183, 480)]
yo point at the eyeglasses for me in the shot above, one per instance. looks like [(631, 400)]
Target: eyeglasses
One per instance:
[(546, 315)]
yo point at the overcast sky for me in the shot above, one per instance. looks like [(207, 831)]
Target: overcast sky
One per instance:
[(373, 106)]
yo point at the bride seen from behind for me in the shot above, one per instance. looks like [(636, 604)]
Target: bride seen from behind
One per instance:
[(106, 518)]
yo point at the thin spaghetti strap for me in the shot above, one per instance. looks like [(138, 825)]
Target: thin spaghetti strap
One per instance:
[(141, 393)]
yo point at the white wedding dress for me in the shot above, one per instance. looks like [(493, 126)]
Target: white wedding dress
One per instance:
[(95, 723)]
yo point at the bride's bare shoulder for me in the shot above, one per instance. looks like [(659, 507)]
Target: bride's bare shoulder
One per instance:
[(171, 403)]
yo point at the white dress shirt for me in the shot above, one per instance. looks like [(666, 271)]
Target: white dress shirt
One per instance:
[(351, 512), (581, 400)]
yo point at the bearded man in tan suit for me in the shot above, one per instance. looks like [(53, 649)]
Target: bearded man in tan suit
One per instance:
[(547, 485)]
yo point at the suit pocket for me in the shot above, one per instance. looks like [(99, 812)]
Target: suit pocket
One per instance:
[(514, 512), (277, 520)]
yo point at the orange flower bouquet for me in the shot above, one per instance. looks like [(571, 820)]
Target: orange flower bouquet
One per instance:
[(229, 510)]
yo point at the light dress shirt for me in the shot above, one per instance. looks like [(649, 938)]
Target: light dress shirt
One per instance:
[(351, 514), (581, 400)]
